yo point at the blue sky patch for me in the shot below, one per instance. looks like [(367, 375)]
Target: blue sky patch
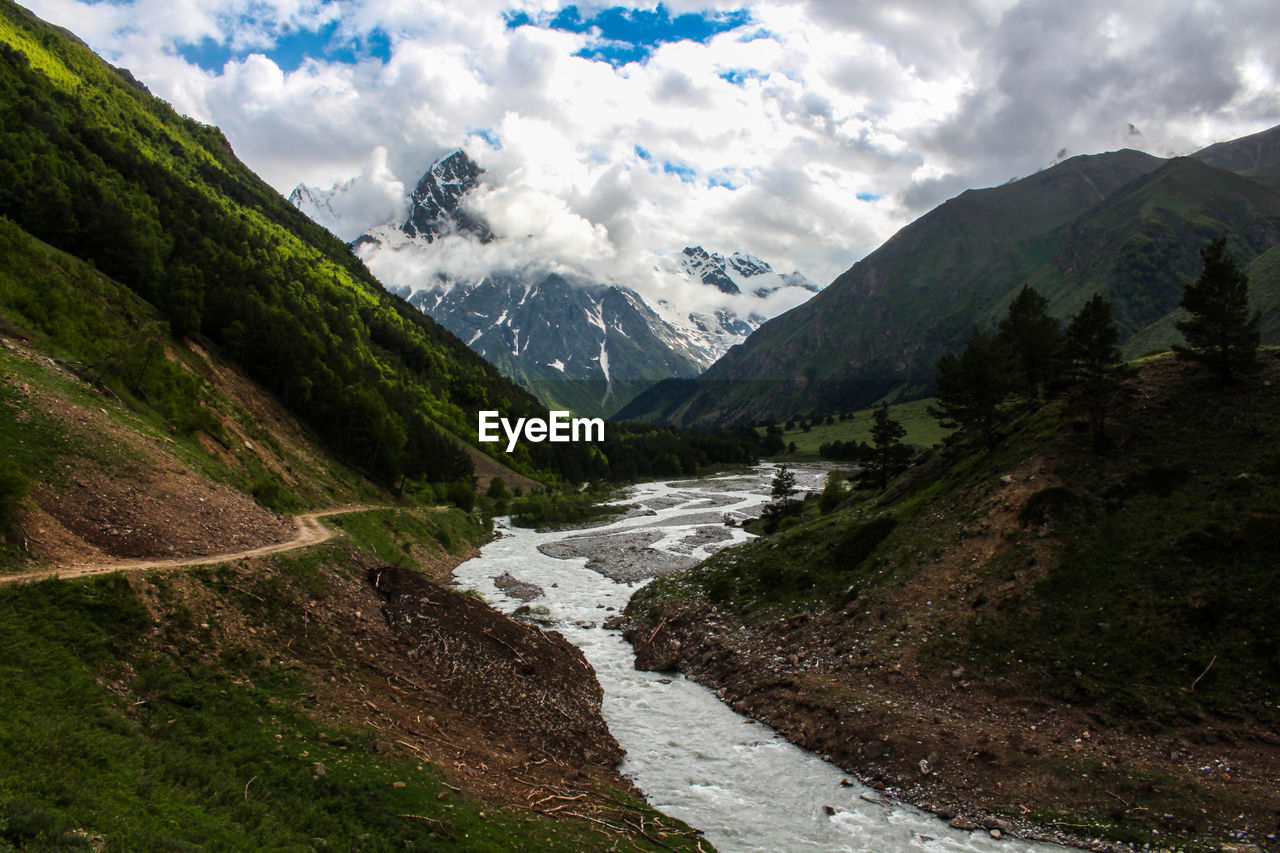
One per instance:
[(722, 180), (643, 153), (292, 48), (757, 34), (625, 35), (739, 76), (490, 138), (868, 196), (680, 170)]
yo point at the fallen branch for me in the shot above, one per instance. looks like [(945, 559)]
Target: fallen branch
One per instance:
[(422, 817), (514, 650), (1192, 688), (558, 797)]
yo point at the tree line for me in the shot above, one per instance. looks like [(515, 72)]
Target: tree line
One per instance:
[(1032, 357)]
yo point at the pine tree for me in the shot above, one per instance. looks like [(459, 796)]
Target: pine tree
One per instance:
[(886, 435), (784, 484), (1035, 339), (972, 385), (1094, 369), (1219, 333)]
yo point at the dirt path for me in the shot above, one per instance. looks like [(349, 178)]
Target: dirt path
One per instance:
[(309, 531)]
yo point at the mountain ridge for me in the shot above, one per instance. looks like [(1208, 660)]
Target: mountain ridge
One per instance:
[(612, 342), (881, 326)]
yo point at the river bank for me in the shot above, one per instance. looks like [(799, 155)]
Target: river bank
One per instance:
[(696, 759), (873, 656)]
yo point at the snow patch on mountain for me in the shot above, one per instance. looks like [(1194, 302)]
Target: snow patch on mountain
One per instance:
[(534, 317)]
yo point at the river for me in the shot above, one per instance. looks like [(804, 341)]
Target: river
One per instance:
[(692, 755)]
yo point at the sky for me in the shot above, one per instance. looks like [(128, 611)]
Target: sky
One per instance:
[(802, 131)]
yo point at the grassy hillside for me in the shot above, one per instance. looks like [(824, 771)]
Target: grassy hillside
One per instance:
[(273, 702), (93, 164), (112, 353), (922, 429), (1004, 601), (269, 706), (265, 703)]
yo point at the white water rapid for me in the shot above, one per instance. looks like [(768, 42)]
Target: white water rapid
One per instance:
[(693, 756)]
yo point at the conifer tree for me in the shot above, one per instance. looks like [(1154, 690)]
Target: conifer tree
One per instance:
[(971, 386), (784, 484), (1094, 369), (1219, 333), (1035, 340), (886, 435)]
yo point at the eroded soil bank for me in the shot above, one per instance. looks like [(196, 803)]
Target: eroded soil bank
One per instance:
[(981, 755)]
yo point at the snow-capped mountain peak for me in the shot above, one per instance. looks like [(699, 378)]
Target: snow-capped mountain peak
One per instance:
[(574, 340), (436, 204), (752, 292)]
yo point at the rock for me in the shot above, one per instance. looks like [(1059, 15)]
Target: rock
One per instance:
[(925, 767), (997, 834), (829, 810), (615, 623), (516, 588), (845, 783), (963, 824), (945, 812)]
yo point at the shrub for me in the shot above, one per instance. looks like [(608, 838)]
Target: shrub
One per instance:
[(1049, 503), (13, 492), (268, 491), (462, 495)]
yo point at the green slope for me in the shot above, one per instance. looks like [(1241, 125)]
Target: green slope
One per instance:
[(1123, 223), (93, 164)]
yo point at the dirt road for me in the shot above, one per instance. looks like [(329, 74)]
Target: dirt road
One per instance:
[(308, 527)]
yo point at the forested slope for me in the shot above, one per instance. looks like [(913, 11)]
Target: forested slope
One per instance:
[(93, 164)]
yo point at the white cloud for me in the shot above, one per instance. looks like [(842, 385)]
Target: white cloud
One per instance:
[(902, 104)]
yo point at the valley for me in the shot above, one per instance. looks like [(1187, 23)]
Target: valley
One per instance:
[(972, 549)]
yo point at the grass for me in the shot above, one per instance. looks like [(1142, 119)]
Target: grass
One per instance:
[(398, 535), (149, 736), (115, 354), (922, 429)]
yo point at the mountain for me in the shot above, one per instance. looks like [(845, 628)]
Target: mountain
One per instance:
[(586, 347), (576, 343), (748, 284), (435, 207), (318, 205), (124, 451), (1124, 223), (111, 175)]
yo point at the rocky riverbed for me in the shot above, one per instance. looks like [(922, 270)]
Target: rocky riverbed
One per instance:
[(696, 758)]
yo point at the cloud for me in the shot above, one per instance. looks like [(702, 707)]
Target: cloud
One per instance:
[(803, 131)]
